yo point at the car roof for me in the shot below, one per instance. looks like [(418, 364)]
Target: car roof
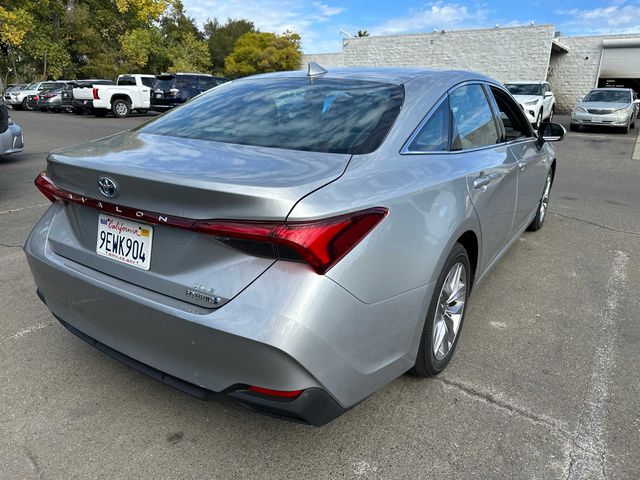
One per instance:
[(384, 74), (622, 89), (526, 82)]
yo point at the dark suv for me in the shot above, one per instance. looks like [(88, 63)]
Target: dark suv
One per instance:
[(173, 89)]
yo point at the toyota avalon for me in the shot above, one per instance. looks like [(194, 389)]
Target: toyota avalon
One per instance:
[(294, 240)]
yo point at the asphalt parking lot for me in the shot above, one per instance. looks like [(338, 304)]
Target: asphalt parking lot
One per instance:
[(544, 384)]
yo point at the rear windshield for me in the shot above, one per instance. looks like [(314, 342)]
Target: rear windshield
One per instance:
[(612, 96), (164, 83), (320, 115), (524, 88)]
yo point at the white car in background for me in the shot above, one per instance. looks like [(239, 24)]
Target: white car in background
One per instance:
[(131, 92), (10, 134), (536, 98), (18, 99)]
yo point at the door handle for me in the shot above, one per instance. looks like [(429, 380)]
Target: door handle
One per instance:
[(484, 179), (522, 164)]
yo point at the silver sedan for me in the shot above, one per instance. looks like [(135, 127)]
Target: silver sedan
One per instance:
[(606, 107), (294, 240), (10, 134)]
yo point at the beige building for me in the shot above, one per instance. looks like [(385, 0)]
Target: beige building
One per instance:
[(572, 65)]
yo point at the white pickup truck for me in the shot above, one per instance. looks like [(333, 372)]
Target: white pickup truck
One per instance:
[(131, 92)]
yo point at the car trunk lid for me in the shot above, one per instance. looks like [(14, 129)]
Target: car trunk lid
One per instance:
[(181, 179)]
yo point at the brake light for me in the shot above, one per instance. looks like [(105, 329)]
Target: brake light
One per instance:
[(319, 243), (35, 98), (96, 96), (276, 393)]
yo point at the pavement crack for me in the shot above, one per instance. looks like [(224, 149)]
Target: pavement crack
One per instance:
[(16, 210), (595, 224), (8, 245), (509, 407)]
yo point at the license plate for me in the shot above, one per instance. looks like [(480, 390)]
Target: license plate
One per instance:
[(596, 119), (124, 241)]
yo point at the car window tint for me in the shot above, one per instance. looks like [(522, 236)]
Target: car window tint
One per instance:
[(127, 80), (473, 121), (183, 82), (434, 135), (323, 115), (148, 81), (514, 121)]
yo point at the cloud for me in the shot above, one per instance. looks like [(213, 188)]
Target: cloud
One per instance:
[(436, 15), (269, 15), (618, 17)]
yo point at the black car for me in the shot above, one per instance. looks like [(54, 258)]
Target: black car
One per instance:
[(80, 106), (173, 89)]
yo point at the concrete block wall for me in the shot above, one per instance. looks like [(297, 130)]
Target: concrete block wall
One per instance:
[(573, 74), (327, 60), (517, 53)]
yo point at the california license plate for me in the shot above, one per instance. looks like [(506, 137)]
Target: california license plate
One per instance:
[(124, 241), (595, 119)]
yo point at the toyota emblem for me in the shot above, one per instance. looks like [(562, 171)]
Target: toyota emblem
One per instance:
[(107, 187)]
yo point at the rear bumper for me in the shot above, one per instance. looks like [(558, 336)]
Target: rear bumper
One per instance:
[(313, 406), (288, 330), (83, 104)]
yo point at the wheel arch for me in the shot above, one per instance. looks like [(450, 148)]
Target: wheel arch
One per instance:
[(120, 96), (469, 240)]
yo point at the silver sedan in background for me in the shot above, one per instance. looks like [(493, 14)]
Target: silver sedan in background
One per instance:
[(606, 107), (294, 240), (10, 133)]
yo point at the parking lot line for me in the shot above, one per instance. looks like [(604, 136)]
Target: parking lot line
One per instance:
[(636, 150), (588, 454), (602, 137)]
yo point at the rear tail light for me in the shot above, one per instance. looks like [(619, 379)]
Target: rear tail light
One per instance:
[(319, 243), (96, 96), (276, 393), (35, 98), (173, 92)]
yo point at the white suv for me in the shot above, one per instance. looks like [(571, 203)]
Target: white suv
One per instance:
[(536, 98)]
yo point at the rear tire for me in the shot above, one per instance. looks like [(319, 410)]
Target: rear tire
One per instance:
[(543, 206), (120, 108), (445, 316)]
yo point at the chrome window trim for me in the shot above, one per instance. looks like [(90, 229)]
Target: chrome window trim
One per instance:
[(405, 150)]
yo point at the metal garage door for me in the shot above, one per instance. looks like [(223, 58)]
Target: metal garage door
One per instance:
[(621, 58)]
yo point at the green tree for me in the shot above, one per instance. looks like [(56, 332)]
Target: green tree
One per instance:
[(261, 52), (362, 33), (221, 38)]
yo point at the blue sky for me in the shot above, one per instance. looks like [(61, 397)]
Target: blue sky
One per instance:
[(319, 22)]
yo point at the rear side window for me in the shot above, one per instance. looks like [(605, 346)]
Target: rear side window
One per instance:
[(473, 123), (434, 135), (205, 83), (148, 81), (126, 80), (184, 82), (320, 115)]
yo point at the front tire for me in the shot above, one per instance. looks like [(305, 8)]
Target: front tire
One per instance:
[(120, 108), (538, 120), (543, 206), (553, 112), (26, 105), (445, 316)]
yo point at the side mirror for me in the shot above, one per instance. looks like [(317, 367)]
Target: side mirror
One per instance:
[(548, 94), (551, 132), (636, 101)]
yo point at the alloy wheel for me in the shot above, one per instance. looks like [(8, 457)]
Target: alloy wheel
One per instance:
[(121, 109), (449, 311)]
